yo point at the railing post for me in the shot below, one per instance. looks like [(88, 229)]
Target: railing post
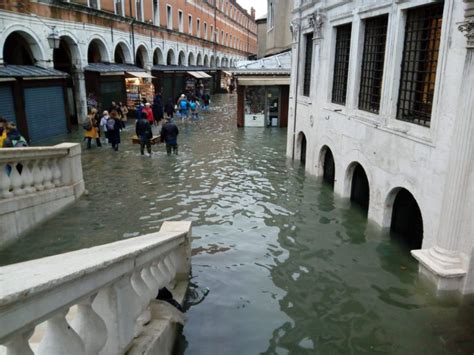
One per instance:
[(71, 168), (183, 256)]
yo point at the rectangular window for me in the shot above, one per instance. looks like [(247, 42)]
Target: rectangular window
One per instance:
[(198, 27), (373, 63), (156, 12), (139, 10), (180, 21), (308, 63), (205, 30), (119, 7), (419, 63), (169, 17), (95, 4), (211, 37), (190, 24), (341, 64)]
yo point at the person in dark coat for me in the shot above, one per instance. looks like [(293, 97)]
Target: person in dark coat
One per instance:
[(144, 133), (169, 109), (157, 108), (169, 135), (114, 125)]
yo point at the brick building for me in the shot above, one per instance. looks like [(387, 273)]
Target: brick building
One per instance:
[(100, 44)]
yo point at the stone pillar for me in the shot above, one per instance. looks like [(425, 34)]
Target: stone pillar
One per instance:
[(71, 168), (80, 94), (294, 80), (445, 263)]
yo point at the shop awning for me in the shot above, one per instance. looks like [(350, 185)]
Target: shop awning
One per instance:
[(228, 73), (199, 74), (113, 68), (30, 72), (140, 74), (264, 81)]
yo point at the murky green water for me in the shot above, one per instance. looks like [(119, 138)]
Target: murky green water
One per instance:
[(292, 269)]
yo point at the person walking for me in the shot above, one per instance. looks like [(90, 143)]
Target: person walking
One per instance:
[(149, 113), (169, 135), (157, 109), (14, 138), (3, 130), (193, 106), (169, 109), (183, 106), (113, 130), (144, 133), (91, 128), (103, 125)]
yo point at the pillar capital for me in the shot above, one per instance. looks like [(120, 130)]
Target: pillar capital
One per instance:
[(467, 28)]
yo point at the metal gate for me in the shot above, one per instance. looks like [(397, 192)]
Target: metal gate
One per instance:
[(7, 107), (45, 112), (112, 90)]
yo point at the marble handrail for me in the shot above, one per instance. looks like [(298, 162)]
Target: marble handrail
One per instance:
[(111, 285), (30, 170)]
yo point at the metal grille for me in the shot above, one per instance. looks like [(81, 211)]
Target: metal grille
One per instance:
[(341, 64), (308, 61), (420, 59), (373, 63)]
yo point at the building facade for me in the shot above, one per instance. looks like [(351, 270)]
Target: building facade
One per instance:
[(381, 107), (261, 36), (279, 16), (103, 42)]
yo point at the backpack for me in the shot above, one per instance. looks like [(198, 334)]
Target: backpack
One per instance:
[(110, 124), (183, 104), (193, 106), (87, 125)]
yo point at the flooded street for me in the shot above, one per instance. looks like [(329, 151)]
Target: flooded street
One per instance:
[(291, 268)]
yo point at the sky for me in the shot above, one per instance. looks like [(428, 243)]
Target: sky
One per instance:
[(259, 5)]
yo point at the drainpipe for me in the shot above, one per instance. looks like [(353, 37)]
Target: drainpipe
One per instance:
[(132, 31), (296, 89)]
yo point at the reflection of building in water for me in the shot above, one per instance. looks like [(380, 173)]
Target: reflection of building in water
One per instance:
[(381, 105), (263, 87)]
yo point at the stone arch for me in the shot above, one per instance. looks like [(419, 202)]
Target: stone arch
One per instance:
[(199, 61), (212, 61), (301, 147), (182, 58), (22, 47), (359, 185), (406, 220), (68, 56), (205, 61), (122, 53), (191, 59), (327, 167), (158, 58), (97, 51), (141, 57), (170, 57), (218, 62)]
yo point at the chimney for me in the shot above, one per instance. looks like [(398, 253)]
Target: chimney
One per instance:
[(252, 12)]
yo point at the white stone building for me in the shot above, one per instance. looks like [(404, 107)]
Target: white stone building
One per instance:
[(381, 106)]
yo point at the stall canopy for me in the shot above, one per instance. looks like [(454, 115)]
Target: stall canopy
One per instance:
[(182, 68), (115, 69), (30, 71), (199, 74), (140, 75)]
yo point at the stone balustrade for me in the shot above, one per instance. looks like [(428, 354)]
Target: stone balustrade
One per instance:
[(36, 182), (110, 286)]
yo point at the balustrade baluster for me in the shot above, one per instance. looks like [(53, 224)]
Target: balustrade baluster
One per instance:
[(155, 271), (48, 174), (90, 327), (5, 181), (165, 272), (142, 290), (170, 265), (59, 338), (28, 177), (38, 176), (19, 344), (17, 180), (150, 281), (56, 172)]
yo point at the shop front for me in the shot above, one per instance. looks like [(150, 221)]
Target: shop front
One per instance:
[(36, 100), (116, 82)]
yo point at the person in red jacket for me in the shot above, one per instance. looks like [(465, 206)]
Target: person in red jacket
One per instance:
[(149, 113)]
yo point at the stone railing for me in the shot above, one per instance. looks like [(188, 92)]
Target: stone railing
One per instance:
[(110, 287), (34, 183)]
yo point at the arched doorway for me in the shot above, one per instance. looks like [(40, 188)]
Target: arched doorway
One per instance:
[(212, 62), (141, 58), (170, 58), (206, 61), (96, 52), (182, 58), (199, 60), (327, 162), (191, 60), (158, 57), (17, 50), (302, 147), (360, 192), (122, 54), (407, 221)]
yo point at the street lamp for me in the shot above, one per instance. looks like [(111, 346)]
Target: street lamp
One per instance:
[(53, 38)]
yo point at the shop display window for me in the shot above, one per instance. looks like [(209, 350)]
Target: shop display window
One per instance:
[(254, 100)]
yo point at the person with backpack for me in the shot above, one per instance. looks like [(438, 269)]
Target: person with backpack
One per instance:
[(114, 126), (14, 138), (91, 129), (193, 106), (183, 106), (169, 135), (144, 133)]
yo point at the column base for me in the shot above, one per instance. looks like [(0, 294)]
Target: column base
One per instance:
[(442, 267)]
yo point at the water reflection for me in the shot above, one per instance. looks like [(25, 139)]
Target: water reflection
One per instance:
[(291, 268)]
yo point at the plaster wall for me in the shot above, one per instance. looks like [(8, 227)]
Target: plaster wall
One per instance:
[(393, 153), (279, 35)]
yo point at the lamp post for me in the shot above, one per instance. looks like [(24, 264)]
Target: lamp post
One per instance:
[(53, 38)]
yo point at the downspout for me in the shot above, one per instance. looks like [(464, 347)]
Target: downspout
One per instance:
[(132, 30), (296, 90)]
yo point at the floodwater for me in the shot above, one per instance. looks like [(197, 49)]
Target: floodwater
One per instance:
[(291, 268)]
